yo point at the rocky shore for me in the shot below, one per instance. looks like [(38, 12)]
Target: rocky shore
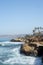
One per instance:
[(33, 47), (15, 40), (33, 44)]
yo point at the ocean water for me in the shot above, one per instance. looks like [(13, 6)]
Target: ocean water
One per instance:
[(10, 54)]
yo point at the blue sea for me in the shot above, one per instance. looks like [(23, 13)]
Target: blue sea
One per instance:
[(10, 54)]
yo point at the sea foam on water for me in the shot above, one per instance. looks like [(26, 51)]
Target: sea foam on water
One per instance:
[(14, 56)]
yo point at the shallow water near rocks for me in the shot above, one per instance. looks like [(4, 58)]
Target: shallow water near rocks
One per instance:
[(10, 55)]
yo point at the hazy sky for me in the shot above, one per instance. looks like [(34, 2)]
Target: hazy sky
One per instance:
[(20, 16)]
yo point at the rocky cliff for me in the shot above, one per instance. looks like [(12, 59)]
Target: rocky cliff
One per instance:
[(34, 46)]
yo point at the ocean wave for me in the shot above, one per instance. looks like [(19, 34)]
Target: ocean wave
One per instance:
[(9, 43), (17, 58), (23, 60), (14, 56)]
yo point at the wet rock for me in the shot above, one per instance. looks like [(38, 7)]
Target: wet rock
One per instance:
[(40, 51), (25, 49), (13, 40), (42, 59), (35, 53), (28, 50)]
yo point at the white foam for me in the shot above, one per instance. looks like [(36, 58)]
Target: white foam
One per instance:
[(20, 59), (8, 43)]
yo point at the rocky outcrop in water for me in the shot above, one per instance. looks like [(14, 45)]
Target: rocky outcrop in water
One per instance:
[(29, 50), (14, 40), (34, 46)]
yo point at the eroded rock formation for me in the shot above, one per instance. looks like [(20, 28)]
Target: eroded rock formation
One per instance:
[(34, 47), (29, 50)]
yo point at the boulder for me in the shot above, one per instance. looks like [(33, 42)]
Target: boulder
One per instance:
[(28, 50), (25, 49)]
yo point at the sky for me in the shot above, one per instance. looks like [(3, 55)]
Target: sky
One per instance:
[(20, 16)]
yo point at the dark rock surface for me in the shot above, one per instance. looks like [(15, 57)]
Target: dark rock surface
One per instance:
[(31, 50), (13, 40), (40, 51)]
